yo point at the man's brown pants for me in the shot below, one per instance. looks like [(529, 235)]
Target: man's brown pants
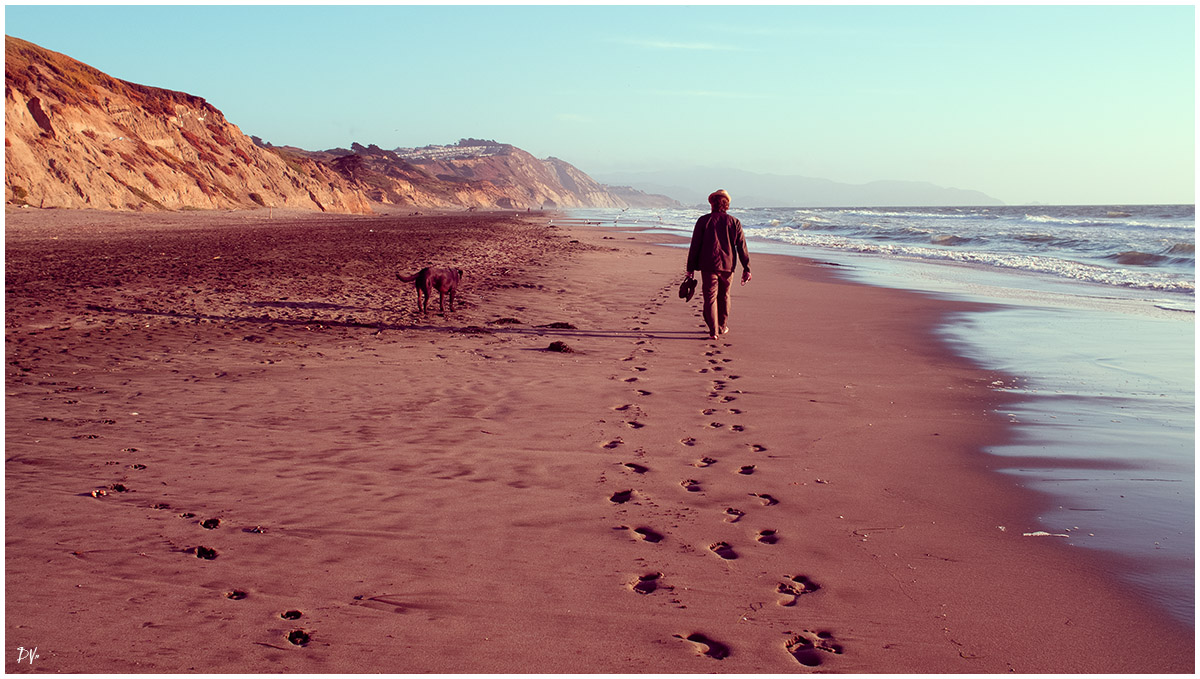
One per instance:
[(715, 285)]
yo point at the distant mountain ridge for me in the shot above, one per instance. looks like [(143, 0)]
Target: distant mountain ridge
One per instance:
[(78, 138), (499, 175), (749, 189)]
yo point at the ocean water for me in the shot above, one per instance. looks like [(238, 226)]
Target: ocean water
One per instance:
[(1140, 247), (1091, 311)]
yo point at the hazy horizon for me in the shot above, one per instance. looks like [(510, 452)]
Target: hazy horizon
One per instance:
[(1027, 104)]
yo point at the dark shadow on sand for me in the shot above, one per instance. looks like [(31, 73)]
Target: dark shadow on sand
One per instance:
[(299, 305)]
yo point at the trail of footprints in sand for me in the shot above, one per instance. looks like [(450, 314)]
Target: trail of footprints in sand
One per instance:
[(808, 648), (296, 636)]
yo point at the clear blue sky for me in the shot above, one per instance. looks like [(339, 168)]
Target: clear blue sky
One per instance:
[(1067, 104)]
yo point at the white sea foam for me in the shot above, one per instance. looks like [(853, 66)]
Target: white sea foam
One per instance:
[(1030, 262)]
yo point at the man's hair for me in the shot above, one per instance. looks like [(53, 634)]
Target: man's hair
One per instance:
[(719, 200)]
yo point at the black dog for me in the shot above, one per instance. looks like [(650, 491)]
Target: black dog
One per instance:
[(442, 279)]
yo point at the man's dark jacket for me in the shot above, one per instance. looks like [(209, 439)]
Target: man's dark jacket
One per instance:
[(716, 240)]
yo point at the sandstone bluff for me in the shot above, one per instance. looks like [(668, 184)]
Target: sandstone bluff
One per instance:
[(78, 138)]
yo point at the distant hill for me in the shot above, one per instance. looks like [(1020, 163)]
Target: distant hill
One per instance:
[(476, 172), (78, 138), (749, 189)]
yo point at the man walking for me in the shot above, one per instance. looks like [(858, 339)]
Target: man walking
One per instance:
[(718, 243)]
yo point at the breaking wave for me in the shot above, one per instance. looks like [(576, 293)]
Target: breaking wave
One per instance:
[(1135, 258)]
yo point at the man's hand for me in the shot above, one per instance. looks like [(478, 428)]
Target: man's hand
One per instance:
[(746, 277), (691, 275)]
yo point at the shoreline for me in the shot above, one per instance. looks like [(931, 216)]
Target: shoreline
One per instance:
[(1104, 424), (1083, 406), (420, 512)]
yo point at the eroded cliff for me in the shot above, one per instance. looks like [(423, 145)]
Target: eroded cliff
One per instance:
[(78, 138)]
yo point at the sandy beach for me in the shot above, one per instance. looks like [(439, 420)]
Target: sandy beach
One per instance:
[(234, 446)]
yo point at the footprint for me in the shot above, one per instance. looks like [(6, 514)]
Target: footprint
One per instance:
[(723, 550), (768, 536), (798, 586), (807, 647), (623, 408), (707, 647), (643, 392), (689, 441), (298, 637), (716, 425), (636, 468), (648, 535), (236, 595), (692, 485), (613, 443), (708, 411), (767, 499), (291, 615), (646, 583), (704, 462), (621, 497), (737, 427), (204, 553), (747, 469), (631, 379), (634, 424), (758, 449), (210, 523), (735, 515)]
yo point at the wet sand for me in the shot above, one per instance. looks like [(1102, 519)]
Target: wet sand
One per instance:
[(302, 474)]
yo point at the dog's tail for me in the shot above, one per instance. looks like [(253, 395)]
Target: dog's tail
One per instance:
[(408, 279)]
